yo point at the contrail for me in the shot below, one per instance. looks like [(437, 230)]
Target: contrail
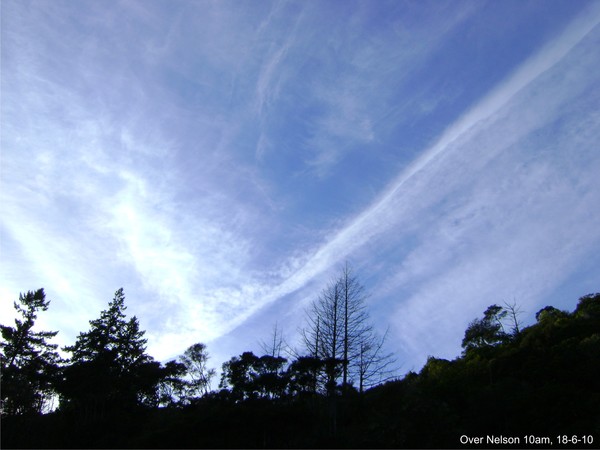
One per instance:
[(368, 223), (363, 226)]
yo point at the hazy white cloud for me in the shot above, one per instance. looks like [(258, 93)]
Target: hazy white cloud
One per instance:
[(173, 152), (369, 221), (504, 234)]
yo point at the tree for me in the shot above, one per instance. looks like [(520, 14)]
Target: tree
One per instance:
[(272, 380), (172, 387), (486, 332), (251, 376), (513, 311), (237, 374), (588, 306), (275, 344), (339, 333), (355, 322), (303, 375), (374, 365), (109, 367), (160, 385), (550, 314), (195, 359), (29, 363), (323, 338)]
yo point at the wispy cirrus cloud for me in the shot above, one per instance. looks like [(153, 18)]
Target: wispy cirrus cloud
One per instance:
[(90, 182), (369, 221), (498, 231), (378, 63), (219, 162)]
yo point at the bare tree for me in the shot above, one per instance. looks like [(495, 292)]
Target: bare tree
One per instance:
[(338, 332), (373, 364), (355, 321), (323, 337), (276, 343), (513, 312)]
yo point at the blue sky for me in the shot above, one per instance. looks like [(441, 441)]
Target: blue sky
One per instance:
[(222, 160)]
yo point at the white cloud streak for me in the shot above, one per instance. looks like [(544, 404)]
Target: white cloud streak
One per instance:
[(375, 217), (503, 118)]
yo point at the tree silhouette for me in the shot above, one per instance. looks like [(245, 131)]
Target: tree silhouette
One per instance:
[(550, 314), (303, 375), (339, 333), (251, 376), (513, 311), (588, 306), (29, 363), (323, 337), (373, 364), (275, 344), (109, 367), (357, 331), (545, 380), (194, 360), (172, 387), (486, 332)]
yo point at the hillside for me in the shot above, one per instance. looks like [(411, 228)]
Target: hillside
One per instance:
[(535, 388)]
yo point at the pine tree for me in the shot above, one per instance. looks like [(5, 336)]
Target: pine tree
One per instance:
[(109, 366), (30, 364)]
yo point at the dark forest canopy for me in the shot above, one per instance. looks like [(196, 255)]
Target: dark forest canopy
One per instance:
[(542, 381)]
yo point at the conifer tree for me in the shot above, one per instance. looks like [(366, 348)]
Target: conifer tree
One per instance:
[(30, 364), (109, 366)]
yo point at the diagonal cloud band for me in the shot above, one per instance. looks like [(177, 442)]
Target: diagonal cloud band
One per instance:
[(371, 221)]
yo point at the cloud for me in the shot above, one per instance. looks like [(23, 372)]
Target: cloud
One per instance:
[(364, 65), (496, 231), (369, 222), (89, 189), (181, 163)]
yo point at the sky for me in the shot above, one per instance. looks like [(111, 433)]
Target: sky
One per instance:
[(222, 160)]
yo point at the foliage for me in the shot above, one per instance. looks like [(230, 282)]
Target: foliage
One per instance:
[(588, 306), (541, 380), (29, 363), (195, 361), (488, 331), (303, 375), (251, 377), (171, 387), (109, 367)]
